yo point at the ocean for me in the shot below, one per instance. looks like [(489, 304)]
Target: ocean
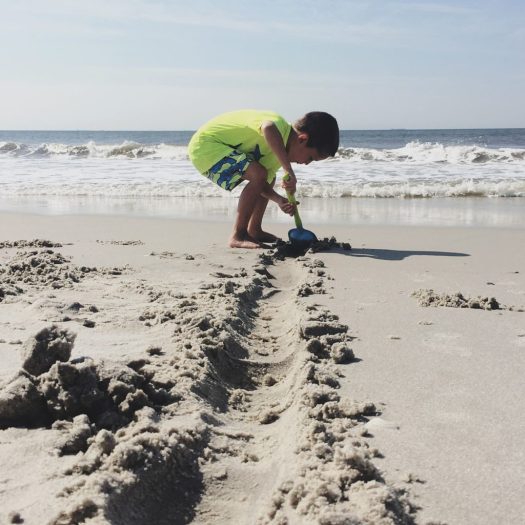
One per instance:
[(444, 177)]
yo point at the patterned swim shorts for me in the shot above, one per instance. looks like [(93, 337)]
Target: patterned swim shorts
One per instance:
[(228, 172)]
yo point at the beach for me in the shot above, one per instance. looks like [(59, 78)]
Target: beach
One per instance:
[(369, 374), (150, 374)]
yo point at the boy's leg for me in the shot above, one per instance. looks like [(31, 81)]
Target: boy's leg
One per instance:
[(255, 223), (250, 201)]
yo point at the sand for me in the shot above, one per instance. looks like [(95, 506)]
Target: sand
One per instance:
[(152, 375)]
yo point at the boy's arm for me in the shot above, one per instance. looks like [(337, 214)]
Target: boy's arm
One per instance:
[(275, 141), (282, 202)]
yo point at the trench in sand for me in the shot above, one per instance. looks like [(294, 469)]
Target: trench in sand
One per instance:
[(281, 446), (237, 420), (220, 467), (241, 484)]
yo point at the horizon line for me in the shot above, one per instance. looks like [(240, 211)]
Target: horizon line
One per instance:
[(193, 130)]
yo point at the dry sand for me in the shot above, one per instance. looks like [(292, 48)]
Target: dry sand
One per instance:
[(152, 375)]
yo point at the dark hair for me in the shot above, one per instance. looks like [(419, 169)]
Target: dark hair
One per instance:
[(322, 130)]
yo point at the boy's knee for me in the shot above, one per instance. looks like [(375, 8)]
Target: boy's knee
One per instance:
[(255, 173)]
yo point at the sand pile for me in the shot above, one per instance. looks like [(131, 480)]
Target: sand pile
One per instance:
[(247, 385), (329, 243), (35, 243), (455, 300), (51, 388), (286, 249), (7, 289), (333, 479), (122, 243), (42, 268), (110, 415)]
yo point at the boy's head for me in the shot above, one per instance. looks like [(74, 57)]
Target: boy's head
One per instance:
[(317, 137)]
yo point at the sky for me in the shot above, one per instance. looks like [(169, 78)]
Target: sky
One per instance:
[(172, 65)]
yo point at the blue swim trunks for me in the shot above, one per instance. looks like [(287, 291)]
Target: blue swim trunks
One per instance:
[(228, 172)]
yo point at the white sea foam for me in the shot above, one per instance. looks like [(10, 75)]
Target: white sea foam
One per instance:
[(127, 149), (434, 153), (135, 170), (413, 152)]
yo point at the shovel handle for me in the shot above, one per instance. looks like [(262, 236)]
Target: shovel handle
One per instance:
[(292, 200)]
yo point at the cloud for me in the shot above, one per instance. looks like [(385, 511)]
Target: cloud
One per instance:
[(340, 22), (199, 13)]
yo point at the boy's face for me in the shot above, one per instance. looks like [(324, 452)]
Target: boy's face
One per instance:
[(301, 153)]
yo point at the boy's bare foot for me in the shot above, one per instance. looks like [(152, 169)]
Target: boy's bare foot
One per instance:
[(262, 236), (244, 242)]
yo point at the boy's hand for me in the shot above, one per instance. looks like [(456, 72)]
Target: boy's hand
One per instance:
[(286, 206), (289, 183)]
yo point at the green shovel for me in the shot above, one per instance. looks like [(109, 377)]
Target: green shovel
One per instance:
[(300, 238)]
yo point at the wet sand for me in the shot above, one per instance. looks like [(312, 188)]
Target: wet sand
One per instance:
[(150, 374)]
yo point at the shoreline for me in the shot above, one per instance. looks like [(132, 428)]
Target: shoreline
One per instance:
[(492, 212), (445, 428)]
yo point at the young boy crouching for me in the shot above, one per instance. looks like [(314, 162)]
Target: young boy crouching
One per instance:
[(251, 145)]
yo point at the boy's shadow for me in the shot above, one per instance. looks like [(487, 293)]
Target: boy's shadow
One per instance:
[(285, 250), (397, 255)]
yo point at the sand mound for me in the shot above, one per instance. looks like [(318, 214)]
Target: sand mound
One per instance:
[(283, 249), (35, 243), (45, 348), (7, 289), (329, 244), (456, 300), (42, 268), (333, 479), (122, 243), (21, 403), (108, 393)]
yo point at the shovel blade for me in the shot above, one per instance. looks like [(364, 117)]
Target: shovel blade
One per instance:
[(301, 239)]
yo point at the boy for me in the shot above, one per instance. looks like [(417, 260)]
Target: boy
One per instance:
[(251, 145)]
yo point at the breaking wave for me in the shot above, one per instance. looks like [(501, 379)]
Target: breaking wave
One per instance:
[(126, 149), (203, 189), (131, 169), (417, 189), (412, 152)]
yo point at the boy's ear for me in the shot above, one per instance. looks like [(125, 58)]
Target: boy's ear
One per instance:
[(303, 137)]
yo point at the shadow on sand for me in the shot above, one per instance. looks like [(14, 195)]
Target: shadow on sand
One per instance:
[(397, 255), (287, 250)]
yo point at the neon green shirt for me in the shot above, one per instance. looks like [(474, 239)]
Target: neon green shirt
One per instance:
[(240, 130)]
